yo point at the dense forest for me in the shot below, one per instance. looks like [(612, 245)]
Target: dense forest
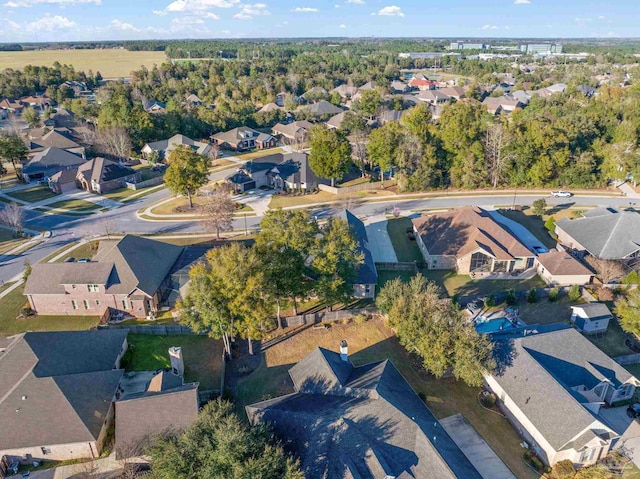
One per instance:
[(567, 139)]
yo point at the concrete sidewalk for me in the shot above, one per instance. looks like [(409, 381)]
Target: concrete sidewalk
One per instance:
[(628, 190)]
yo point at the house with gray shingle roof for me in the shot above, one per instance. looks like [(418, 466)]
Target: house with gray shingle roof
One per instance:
[(551, 382), (101, 175), (56, 393), (164, 147), (367, 275), (126, 276), (603, 232), (49, 162), (360, 422), (244, 138)]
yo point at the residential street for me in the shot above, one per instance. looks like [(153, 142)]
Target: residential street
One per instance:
[(67, 229)]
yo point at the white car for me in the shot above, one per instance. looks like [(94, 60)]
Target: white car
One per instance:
[(561, 194)]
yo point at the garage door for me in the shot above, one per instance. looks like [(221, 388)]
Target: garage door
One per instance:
[(249, 186)]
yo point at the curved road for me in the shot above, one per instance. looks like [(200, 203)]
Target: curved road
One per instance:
[(67, 229)]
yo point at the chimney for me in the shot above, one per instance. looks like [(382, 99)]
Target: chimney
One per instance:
[(177, 364), (344, 351)]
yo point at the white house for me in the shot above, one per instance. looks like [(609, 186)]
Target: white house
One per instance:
[(591, 318)]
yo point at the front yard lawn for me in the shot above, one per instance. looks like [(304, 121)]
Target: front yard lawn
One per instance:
[(76, 205), (85, 250), (32, 195), (11, 306), (180, 205), (373, 341), (284, 201), (406, 250), (126, 194), (202, 356), (8, 241)]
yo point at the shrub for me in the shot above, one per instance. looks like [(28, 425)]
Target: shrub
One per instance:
[(360, 318), (487, 399), (532, 297), (605, 294), (533, 461), (632, 278), (511, 298), (539, 206), (554, 294), (550, 224), (574, 293), (423, 396), (562, 470), (490, 301), (346, 321)]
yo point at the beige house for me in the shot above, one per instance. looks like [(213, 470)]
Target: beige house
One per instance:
[(126, 276), (469, 240), (559, 268), (56, 393), (551, 383)]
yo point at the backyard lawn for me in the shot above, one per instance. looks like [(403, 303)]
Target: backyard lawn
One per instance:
[(11, 306), (406, 250), (202, 356), (545, 312), (147, 172), (75, 204), (613, 341), (32, 195), (372, 341)]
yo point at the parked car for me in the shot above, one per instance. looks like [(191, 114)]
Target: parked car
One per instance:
[(71, 259), (84, 260), (561, 194), (633, 411)]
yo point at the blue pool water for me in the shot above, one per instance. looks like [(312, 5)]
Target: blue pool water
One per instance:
[(493, 325)]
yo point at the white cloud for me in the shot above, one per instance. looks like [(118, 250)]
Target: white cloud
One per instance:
[(342, 26), (582, 20), (212, 16), (489, 27), (390, 11), (182, 6), (507, 27), (248, 11), (602, 17), (62, 3), (305, 10), (49, 24), (159, 12), (522, 2), (118, 25), (242, 16)]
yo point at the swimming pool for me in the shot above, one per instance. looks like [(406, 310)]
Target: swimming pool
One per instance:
[(493, 325)]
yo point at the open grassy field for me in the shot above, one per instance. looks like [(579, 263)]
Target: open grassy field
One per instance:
[(110, 63), (373, 341), (202, 356)]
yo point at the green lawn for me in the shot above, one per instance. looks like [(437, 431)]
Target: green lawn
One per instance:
[(125, 194), (147, 172), (611, 342), (545, 312), (12, 304), (32, 195), (373, 341), (406, 250), (76, 205), (7, 240), (202, 356)]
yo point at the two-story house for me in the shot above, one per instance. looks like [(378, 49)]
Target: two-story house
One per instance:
[(244, 138)]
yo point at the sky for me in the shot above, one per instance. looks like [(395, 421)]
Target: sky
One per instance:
[(65, 20)]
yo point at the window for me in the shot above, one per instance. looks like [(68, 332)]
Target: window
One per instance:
[(86, 303), (74, 304), (93, 288), (124, 304), (97, 302), (501, 266), (479, 262)]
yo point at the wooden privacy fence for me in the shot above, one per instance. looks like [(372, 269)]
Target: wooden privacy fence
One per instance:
[(157, 330), (145, 184), (407, 266), (325, 316)]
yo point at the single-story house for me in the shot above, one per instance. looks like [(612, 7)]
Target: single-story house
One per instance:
[(433, 97), (38, 102), (314, 93), (64, 181), (455, 92), (470, 240), (295, 132), (39, 139), (101, 175), (603, 232), (357, 422), (367, 275), (502, 104), (193, 100), (244, 138), (62, 118), (335, 121), (269, 107), (551, 383), (154, 107), (345, 91), (77, 86), (320, 108), (591, 318), (422, 84), (293, 173), (164, 147), (390, 115), (559, 268), (11, 106), (127, 275), (398, 86), (49, 162), (56, 393)]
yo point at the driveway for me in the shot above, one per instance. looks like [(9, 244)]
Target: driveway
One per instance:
[(522, 233), (616, 418), (257, 199), (479, 453), (379, 242)]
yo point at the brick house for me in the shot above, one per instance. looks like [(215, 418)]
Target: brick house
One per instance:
[(126, 275), (101, 175)]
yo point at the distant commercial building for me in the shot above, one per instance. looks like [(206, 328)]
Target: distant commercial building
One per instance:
[(540, 48), (426, 55), (468, 46)]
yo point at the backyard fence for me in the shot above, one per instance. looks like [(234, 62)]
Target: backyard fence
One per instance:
[(628, 359), (406, 266), (326, 316), (521, 295), (145, 184), (157, 330)]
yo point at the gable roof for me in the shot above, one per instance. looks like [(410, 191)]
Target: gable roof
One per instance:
[(610, 235), (336, 120), (538, 372), (100, 170), (320, 108), (562, 263), (294, 167), (290, 130), (53, 138), (57, 388), (235, 135), (167, 145), (593, 310), (361, 422), (345, 90), (464, 230), (269, 107)]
